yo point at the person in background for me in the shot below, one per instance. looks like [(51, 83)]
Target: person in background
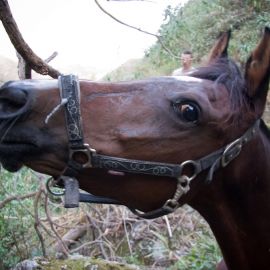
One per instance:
[(186, 62)]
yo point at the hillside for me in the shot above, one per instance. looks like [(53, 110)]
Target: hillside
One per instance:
[(196, 27), (9, 69)]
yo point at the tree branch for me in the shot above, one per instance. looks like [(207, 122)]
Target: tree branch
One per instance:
[(159, 38), (15, 197), (37, 220), (65, 249), (50, 58), (35, 62), (131, 0), (24, 70)]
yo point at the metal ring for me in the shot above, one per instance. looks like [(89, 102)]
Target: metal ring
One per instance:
[(51, 183), (195, 167)]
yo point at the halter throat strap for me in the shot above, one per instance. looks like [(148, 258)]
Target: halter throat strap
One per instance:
[(70, 90)]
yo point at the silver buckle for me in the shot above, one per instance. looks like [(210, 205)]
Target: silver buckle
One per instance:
[(231, 152), (87, 152)]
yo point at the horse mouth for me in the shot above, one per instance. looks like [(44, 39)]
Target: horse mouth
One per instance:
[(12, 153), (16, 143)]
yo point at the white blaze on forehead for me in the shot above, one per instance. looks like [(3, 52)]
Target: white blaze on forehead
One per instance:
[(187, 79)]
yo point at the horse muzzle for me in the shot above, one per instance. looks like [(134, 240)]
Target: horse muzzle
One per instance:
[(14, 101)]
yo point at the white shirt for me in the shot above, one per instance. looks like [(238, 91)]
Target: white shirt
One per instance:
[(179, 71)]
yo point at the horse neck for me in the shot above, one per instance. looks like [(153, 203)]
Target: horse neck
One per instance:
[(237, 206)]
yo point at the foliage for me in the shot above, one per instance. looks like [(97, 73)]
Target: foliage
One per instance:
[(16, 222), (195, 27), (80, 263), (132, 70), (113, 232)]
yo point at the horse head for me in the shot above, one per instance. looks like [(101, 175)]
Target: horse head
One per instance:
[(164, 120)]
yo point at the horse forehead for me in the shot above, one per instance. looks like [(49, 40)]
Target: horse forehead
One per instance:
[(209, 94), (201, 87)]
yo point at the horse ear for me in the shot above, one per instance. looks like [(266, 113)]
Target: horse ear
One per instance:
[(257, 72), (220, 47)]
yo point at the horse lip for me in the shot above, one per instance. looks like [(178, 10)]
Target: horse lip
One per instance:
[(11, 166), (19, 146), (12, 142), (12, 153), (18, 140)]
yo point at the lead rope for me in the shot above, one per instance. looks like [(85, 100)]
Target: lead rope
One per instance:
[(63, 102)]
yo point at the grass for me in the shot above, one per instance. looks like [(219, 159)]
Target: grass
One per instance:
[(113, 232)]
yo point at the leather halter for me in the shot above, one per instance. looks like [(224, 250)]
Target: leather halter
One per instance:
[(70, 91)]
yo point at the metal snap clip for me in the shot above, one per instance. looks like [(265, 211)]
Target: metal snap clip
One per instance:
[(51, 186)]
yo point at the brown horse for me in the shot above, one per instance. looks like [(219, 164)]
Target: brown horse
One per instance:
[(156, 144)]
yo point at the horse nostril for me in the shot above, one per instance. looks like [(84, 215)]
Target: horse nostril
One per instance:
[(12, 101)]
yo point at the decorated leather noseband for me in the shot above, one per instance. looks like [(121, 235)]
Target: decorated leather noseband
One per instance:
[(70, 97)]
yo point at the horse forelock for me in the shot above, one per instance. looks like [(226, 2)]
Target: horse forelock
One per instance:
[(225, 71)]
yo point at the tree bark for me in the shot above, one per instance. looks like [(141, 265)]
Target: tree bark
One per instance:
[(35, 62), (71, 236), (24, 70)]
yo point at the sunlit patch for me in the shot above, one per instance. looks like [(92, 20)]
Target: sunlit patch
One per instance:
[(112, 172), (187, 79), (42, 84), (32, 84)]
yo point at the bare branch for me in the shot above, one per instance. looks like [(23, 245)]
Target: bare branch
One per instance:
[(131, 0), (128, 25), (70, 237), (159, 38), (24, 70), (50, 58), (37, 220), (65, 249), (35, 62), (15, 197)]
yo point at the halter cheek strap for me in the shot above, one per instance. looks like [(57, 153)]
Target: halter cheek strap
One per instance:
[(70, 93)]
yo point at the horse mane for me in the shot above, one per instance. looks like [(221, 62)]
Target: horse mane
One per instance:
[(225, 71)]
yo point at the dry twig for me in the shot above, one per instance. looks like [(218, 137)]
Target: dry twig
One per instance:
[(159, 38), (37, 221), (16, 38), (65, 249), (16, 197)]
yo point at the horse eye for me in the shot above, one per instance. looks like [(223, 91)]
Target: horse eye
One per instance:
[(189, 112)]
